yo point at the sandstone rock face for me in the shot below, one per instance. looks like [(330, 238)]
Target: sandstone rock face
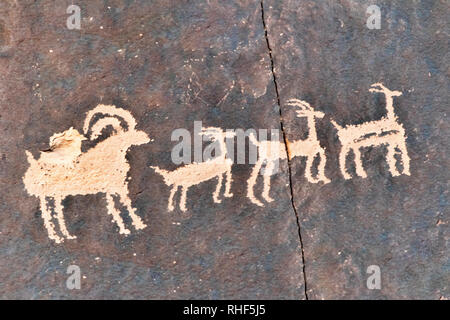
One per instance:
[(169, 64), (324, 53), (232, 65)]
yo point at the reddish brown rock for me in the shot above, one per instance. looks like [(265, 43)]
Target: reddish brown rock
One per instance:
[(324, 53), (169, 64)]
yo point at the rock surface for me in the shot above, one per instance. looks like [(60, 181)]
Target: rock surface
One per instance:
[(324, 53), (171, 63)]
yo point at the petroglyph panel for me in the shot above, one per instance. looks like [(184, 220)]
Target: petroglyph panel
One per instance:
[(393, 210), (167, 64), (131, 167)]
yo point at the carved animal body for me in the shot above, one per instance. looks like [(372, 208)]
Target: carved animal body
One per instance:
[(195, 173), (386, 131), (102, 169)]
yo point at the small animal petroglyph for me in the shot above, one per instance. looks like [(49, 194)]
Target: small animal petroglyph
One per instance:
[(309, 147), (386, 131), (64, 170), (195, 173), (269, 152)]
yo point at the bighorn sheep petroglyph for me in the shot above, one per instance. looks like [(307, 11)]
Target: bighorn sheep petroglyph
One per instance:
[(64, 170), (269, 152), (386, 131), (197, 172)]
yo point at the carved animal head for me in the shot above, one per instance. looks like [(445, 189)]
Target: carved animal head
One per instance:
[(304, 109), (379, 87)]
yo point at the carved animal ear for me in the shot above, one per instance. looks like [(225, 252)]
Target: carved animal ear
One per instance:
[(302, 105), (294, 102), (378, 87)]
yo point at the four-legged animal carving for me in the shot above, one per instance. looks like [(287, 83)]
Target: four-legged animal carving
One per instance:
[(269, 152), (386, 131), (195, 173), (64, 170), (309, 147)]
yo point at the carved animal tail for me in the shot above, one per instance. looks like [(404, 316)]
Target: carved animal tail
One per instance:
[(164, 173), (30, 157), (338, 127), (111, 112)]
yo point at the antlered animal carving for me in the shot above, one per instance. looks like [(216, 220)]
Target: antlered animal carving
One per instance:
[(195, 173), (386, 131), (309, 147), (64, 170), (269, 152)]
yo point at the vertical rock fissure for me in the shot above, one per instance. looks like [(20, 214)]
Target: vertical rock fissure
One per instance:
[(285, 143)]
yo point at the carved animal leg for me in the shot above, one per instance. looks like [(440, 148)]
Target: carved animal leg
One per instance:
[(251, 183), (228, 181), (308, 174), (172, 194), (267, 175), (217, 192), (183, 198), (358, 163), (390, 158), (60, 216), (321, 167), (115, 214), (46, 215), (342, 162), (405, 157), (136, 221)]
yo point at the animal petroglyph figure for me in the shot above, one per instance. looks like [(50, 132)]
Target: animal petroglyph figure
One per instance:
[(309, 147), (269, 152), (197, 172), (64, 170), (386, 131)]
